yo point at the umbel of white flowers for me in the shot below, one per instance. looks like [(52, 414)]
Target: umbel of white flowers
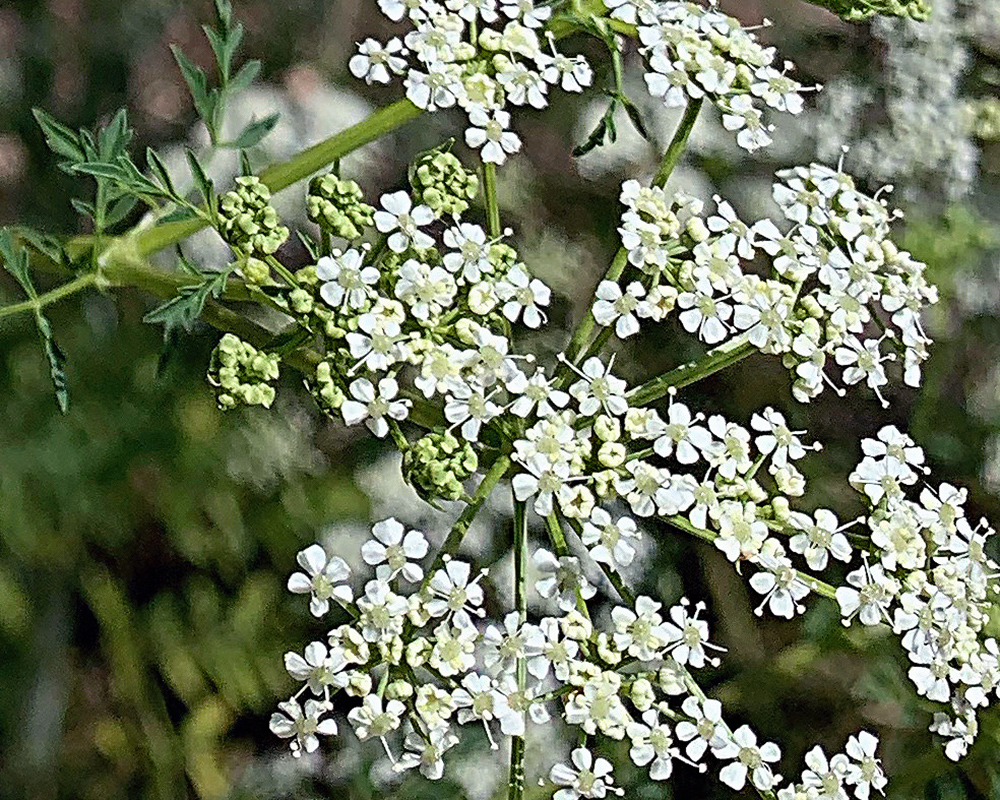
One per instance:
[(420, 328)]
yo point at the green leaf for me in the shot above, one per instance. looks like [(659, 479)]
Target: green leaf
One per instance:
[(224, 45), (56, 359), (224, 13), (244, 76), (115, 137), (47, 245), (159, 169), (180, 214), (103, 169), (205, 185), (634, 116), (194, 77), (119, 211), (180, 312), (16, 261), (60, 139), (253, 133), (82, 207)]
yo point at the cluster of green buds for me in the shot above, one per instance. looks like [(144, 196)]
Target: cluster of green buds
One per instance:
[(325, 389), (982, 118), (437, 464), (861, 10), (248, 221), (338, 206), (441, 183), (242, 374)]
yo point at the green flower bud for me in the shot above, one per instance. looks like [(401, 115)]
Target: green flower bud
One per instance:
[(338, 206), (256, 271), (241, 374), (437, 464), (326, 391), (441, 183), (502, 256), (247, 222)]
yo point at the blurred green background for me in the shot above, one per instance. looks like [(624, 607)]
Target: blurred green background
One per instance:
[(145, 537)]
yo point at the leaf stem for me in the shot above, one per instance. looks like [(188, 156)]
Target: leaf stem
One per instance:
[(515, 784), (41, 301), (670, 158), (723, 356), (461, 526), (490, 193)]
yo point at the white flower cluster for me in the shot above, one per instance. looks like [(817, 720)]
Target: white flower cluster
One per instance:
[(452, 57), (825, 778), (928, 576), (423, 668), (835, 275), (411, 306), (694, 52)]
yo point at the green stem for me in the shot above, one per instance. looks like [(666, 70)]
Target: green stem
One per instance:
[(279, 176), (723, 356), (515, 785), (821, 588), (613, 576), (490, 193), (558, 540), (283, 271), (461, 526), (38, 303), (667, 164), (678, 143)]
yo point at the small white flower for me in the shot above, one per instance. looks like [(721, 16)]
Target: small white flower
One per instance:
[(865, 771), (653, 744), (621, 308), (490, 133), (302, 725), (323, 579), (598, 389), (561, 579), (376, 63), (373, 408), (402, 221), (347, 283), (372, 719), (749, 759), (587, 777), (610, 542), (392, 549), (523, 295), (427, 755)]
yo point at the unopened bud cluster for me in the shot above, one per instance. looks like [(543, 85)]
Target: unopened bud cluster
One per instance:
[(248, 222), (441, 183), (338, 206), (242, 374), (437, 464)]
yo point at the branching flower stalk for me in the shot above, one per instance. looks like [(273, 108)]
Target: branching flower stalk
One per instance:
[(407, 320)]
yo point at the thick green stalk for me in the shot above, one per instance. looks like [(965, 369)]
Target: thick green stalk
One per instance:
[(723, 356), (515, 785), (279, 176), (465, 519), (492, 203), (667, 164), (815, 584)]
